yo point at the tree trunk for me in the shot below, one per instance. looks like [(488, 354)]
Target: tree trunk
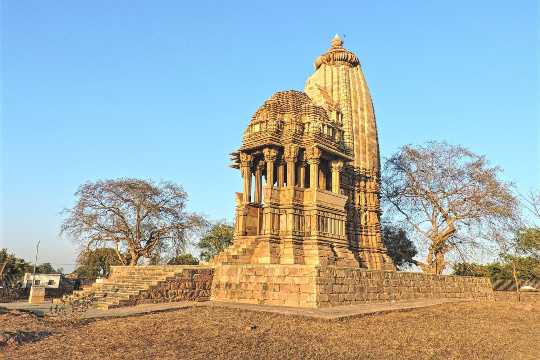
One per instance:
[(440, 264), (119, 254), (134, 258), (516, 280), (2, 267), (435, 263)]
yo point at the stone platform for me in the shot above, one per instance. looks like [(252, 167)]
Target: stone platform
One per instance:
[(295, 286), (320, 287)]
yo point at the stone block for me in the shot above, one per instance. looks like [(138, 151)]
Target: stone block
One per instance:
[(37, 295)]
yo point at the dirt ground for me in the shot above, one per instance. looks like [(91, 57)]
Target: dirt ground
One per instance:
[(481, 330)]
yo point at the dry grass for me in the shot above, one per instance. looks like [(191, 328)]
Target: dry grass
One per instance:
[(482, 330)]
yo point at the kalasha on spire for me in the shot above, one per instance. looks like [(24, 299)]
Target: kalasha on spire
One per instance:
[(337, 54)]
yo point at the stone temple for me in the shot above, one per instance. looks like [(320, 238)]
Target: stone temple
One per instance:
[(307, 224), (310, 168)]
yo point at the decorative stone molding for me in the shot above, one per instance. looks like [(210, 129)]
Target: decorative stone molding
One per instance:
[(245, 159), (336, 165), (270, 154), (261, 164), (313, 155), (291, 153)]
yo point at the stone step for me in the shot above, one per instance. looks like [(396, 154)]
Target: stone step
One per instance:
[(114, 297), (132, 284), (133, 279), (240, 251), (102, 306), (125, 283)]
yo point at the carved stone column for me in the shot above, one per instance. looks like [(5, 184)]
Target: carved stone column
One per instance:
[(281, 174), (290, 156), (270, 157), (322, 177), (245, 167), (314, 159), (258, 181), (337, 165), (302, 180)]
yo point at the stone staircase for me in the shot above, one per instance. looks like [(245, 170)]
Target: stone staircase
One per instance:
[(126, 283), (240, 252)]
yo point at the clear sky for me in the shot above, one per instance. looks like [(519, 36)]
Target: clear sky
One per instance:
[(163, 90)]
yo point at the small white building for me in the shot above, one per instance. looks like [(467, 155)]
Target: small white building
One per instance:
[(49, 281)]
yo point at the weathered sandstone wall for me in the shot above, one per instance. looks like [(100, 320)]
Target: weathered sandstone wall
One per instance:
[(342, 286), (191, 284), (312, 287), (284, 285)]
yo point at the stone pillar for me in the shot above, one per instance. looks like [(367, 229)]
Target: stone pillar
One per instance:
[(281, 174), (258, 181), (337, 165), (290, 156), (313, 157), (302, 180), (37, 294), (270, 157), (322, 178), (245, 167)]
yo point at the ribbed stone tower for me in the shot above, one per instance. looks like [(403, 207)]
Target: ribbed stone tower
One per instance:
[(339, 85)]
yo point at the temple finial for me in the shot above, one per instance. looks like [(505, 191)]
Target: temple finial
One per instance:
[(337, 41)]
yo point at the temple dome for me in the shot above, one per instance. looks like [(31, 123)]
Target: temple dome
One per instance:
[(291, 103), (293, 117), (337, 54)]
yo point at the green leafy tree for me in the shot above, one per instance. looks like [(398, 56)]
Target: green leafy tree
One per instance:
[(47, 268), (215, 240), (528, 240), (93, 263), (400, 248), (184, 259), (470, 269), (13, 268), (525, 267)]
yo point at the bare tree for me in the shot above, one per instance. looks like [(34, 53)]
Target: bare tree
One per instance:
[(448, 196), (531, 202), (134, 216), (529, 233)]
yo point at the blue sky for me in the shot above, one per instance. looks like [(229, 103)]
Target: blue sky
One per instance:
[(163, 90)]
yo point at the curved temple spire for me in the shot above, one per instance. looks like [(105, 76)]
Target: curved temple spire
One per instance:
[(338, 84)]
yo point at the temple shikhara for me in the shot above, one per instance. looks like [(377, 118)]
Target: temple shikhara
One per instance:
[(310, 168)]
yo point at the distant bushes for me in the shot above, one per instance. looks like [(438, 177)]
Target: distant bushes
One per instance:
[(527, 268), (184, 259)]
